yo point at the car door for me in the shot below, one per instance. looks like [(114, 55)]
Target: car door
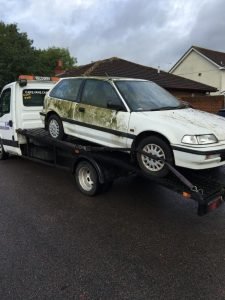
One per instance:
[(101, 116), (6, 123)]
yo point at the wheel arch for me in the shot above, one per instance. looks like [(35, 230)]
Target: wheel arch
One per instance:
[(145, 134), (50, 113)]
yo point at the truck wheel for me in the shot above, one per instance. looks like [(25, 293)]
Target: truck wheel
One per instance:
[(55, 127), (154, 146), (3, 154), (87, 178)]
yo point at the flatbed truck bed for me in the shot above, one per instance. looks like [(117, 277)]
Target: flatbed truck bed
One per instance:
[(96, 167)]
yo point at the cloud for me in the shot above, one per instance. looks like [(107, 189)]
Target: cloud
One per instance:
[(144, 31)]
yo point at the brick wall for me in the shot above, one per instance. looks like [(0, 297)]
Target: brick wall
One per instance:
[(207, 103), (180, 94)]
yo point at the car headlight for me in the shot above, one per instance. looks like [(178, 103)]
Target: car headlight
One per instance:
[(199, 139)]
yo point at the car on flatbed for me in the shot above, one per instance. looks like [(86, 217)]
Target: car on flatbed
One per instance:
[(139, 115)]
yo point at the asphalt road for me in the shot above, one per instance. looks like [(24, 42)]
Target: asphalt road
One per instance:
[(137, 241)]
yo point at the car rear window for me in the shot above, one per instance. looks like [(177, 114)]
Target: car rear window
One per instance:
[(67, 89), (34, 97)]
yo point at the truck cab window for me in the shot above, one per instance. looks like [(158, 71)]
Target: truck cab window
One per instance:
[(34, 97), (5, 102)]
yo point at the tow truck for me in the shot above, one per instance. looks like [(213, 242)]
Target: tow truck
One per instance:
[(94, 167)]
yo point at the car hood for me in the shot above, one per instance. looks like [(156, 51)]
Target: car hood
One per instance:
[(194, 121)]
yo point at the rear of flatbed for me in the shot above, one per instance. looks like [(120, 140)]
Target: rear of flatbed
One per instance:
[(96, 167)]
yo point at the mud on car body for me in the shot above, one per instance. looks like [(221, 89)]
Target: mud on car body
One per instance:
[(125, 113)]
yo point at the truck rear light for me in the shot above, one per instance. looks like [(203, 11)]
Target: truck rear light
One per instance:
[(214, 204)]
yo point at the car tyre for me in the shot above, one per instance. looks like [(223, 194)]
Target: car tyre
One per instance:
[(55, 127), (156, 146), (87, 178)]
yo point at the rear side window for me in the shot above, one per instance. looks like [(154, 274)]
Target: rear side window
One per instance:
[(67, 89), (34, 97)]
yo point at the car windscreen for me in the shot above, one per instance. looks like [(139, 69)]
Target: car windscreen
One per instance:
[(34, 97), (146, 95)]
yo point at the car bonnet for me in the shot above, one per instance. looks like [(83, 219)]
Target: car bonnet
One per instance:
[(196, 119)]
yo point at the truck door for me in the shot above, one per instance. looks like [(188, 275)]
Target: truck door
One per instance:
[(6, 124)]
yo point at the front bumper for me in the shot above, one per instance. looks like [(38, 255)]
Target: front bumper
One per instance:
[(199, 158)]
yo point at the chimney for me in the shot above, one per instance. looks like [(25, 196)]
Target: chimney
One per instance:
[(59, 67), (158, 71)]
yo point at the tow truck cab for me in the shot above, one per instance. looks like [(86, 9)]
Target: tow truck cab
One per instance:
[(20, 105)]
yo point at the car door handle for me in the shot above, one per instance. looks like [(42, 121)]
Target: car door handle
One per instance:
[(81, 109)]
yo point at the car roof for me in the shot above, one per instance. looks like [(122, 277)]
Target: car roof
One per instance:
[(105, 78)]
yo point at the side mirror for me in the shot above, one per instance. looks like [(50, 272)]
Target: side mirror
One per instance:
[(113, 106)]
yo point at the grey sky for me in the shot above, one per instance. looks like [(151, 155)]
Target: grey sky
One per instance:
[(149, 32)]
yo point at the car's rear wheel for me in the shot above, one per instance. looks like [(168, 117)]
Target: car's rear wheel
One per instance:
[(154, 145), (55, 127)]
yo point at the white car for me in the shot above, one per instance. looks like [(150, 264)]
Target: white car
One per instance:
[(137, 114)]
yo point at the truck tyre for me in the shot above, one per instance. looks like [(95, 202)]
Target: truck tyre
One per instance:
[(154, 145), (87, 178), (55, 127), (3, 154)]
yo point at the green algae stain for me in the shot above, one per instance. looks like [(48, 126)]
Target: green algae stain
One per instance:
[(97, 116), (63, 108)]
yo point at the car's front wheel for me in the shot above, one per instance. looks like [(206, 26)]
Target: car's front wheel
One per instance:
[(157, 147), (55, 127)]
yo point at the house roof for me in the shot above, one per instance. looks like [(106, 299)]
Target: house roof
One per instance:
[(122, 68), (215, 57)]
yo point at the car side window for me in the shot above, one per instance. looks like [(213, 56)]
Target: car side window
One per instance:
[(5, 102), (67, 89), (99, 93)]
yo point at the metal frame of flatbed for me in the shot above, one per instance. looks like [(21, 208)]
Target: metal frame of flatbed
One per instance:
[(110, 163)]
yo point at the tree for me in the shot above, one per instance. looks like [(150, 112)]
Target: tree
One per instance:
[(17, 56), (47, 60)]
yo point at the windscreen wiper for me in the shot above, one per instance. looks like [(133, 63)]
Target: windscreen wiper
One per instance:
[(167, 108)]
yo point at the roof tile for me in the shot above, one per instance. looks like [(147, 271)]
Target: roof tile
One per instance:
[(215, 56), (122, 68)]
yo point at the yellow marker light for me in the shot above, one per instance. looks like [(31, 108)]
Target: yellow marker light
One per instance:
[(186, 195)]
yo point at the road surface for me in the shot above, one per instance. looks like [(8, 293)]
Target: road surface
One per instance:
[(137, 241)]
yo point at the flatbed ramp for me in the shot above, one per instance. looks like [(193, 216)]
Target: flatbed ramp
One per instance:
[(207, 188)]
